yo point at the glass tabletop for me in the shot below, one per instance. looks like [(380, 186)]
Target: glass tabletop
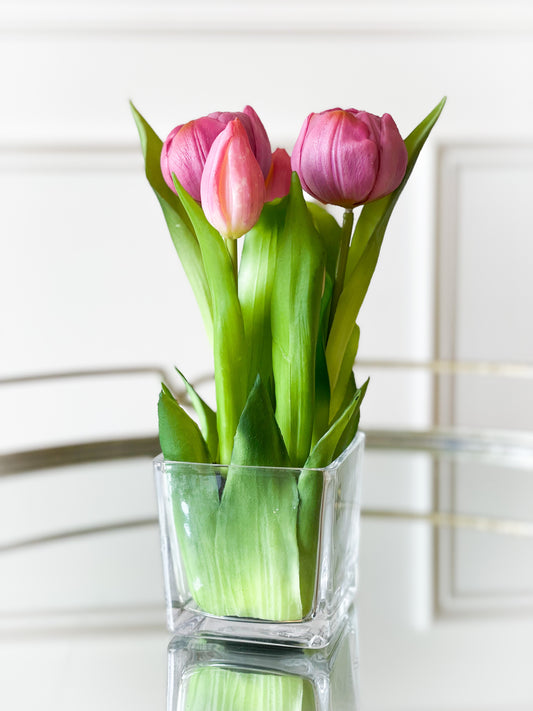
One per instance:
[(444, 613)]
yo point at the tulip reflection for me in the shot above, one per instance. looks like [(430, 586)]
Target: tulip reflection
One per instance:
[(208, 675)]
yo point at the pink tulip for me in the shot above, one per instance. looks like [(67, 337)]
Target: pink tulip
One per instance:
[(233, 187), (278, 181), (349, 157), (185, 151), (186, 148)]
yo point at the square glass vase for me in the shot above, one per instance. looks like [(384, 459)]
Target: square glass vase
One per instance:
[(260, 554)]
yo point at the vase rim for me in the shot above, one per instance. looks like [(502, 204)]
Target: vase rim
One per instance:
[(357, 441)]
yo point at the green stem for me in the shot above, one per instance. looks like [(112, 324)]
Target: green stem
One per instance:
[(340, 269), (231, 246)]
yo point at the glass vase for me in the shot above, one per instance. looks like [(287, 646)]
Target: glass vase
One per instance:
[(217, 675), (266, 555)]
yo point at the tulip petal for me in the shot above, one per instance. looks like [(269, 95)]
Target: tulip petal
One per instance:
[(278, 181), (232, 186), (165, 171), (296, 157), (393, 159), (185, 151), (335, 158), (262, 149), (372, 122)]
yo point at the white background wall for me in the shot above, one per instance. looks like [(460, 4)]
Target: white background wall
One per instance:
[(88, 274)]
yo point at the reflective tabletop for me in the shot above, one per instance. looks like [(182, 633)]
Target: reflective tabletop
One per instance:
[(444, 613)]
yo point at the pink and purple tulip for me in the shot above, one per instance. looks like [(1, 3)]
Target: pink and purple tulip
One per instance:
[(350, 157)]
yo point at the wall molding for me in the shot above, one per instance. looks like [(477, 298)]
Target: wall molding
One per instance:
[(450, 601), (67, 157), (453, 160), (419, 18)]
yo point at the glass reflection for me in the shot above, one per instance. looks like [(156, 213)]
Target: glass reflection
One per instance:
[(211, 675)]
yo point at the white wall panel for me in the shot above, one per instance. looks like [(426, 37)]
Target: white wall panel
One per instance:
[(55, 572), (485, 293), (482, 572), (90, 279), (89, 272), (485, 289)]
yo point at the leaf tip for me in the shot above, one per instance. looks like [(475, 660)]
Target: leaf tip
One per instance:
[(136, 115), (166, 393), (296, 185), (439, 107)]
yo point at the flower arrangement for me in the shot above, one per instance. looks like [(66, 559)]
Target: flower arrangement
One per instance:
[(282, 321)]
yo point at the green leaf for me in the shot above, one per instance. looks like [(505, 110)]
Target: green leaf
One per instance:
[(324, 450), (310, 487), (256, 531), (353, 423), (179, 435), (195, 499), (229, 347), (215, 688), (206, 416), (178, 222), (296, 299), (322, 391), (330, 231), (195, 505), (364, 253), (258, 440), (256, 279), (345, 372)]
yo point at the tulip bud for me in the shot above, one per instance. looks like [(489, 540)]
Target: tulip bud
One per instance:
[(278, 181), (185, 151), (232, 187), (255, 131), (349, 157), (186, 148)]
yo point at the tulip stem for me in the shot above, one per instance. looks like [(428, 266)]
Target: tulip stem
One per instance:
[(231, 246), (340, 269)]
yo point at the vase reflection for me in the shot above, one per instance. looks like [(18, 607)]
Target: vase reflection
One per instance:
[(222, 676)]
